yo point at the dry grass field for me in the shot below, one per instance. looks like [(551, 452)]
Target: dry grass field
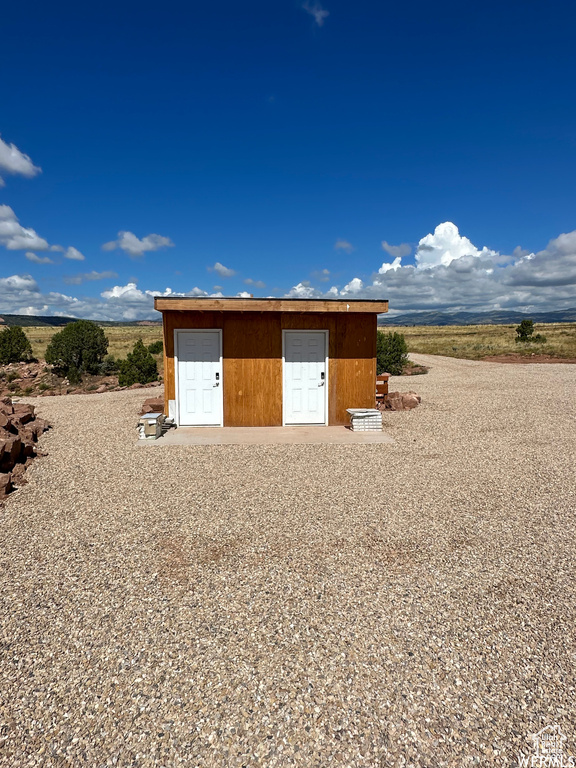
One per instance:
[(121, 338), (474, 342)]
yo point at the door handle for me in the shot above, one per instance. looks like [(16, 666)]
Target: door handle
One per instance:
[(217, 380), (322, 376)]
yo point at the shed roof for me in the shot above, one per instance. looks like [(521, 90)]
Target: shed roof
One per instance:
[(210, 304)]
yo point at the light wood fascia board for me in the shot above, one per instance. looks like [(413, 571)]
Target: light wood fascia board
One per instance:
[(268, 305)]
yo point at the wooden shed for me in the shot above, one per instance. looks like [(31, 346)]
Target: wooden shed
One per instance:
[(268, 362)]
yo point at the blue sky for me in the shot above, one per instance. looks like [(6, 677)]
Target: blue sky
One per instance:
[(424, 153)]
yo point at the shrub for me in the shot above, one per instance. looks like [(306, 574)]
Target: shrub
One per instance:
[(14, 345), (138, 368), (156, 347), (109, 365), (525, 333), (78, 348), (391, 353)]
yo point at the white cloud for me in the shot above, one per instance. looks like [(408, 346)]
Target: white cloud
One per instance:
[(446, 245), (15, 237), (128, 302), (255, 283), (452, 273), (318, 13), (477, 279), (15, 162), (343, 245), (455, 274), (354, 286), (520, 253), (73, 254), (386, 267), (35, 259), (243, 295), (17, 283), (89, 277), (554, 267), (396, 250), (302, 291), (128, 292), (130, 244), (20, 294), (222, 270)]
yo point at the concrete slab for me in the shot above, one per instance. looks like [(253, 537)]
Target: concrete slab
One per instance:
[(267, 436)]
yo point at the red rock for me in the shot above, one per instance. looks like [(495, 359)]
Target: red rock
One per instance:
[(153, 405), (6, 405), (402, 401), (13, 448), (28, 449), (394, 401), (40, 425), (18, 475), (410, 400), (101, 389), (24, 413), (10, 449), (5, 483), (19, 431), (28, 433), (136, 386)]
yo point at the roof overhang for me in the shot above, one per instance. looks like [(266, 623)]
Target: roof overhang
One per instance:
[(209, 304)]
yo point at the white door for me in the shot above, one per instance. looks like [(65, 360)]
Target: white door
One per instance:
[(199, 378), (305, 377)]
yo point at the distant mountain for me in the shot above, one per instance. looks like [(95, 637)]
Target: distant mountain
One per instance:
[(46, 320), (498, 317), (37, 320)]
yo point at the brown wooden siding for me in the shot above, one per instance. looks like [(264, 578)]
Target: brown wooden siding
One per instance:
[(252, 361)]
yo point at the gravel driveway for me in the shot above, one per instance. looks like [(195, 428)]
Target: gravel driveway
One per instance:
[(316, 605)]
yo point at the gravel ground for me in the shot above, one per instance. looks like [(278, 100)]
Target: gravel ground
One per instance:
[(319, 605)]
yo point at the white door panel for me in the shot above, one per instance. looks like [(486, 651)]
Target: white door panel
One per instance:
[(305, 377), (199, 378)]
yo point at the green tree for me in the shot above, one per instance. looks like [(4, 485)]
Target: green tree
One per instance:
[(156, 347), (391, 353), (78, 348), (138, 368), (14, 345), (525, 330), (109, 365), (525, 333)]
